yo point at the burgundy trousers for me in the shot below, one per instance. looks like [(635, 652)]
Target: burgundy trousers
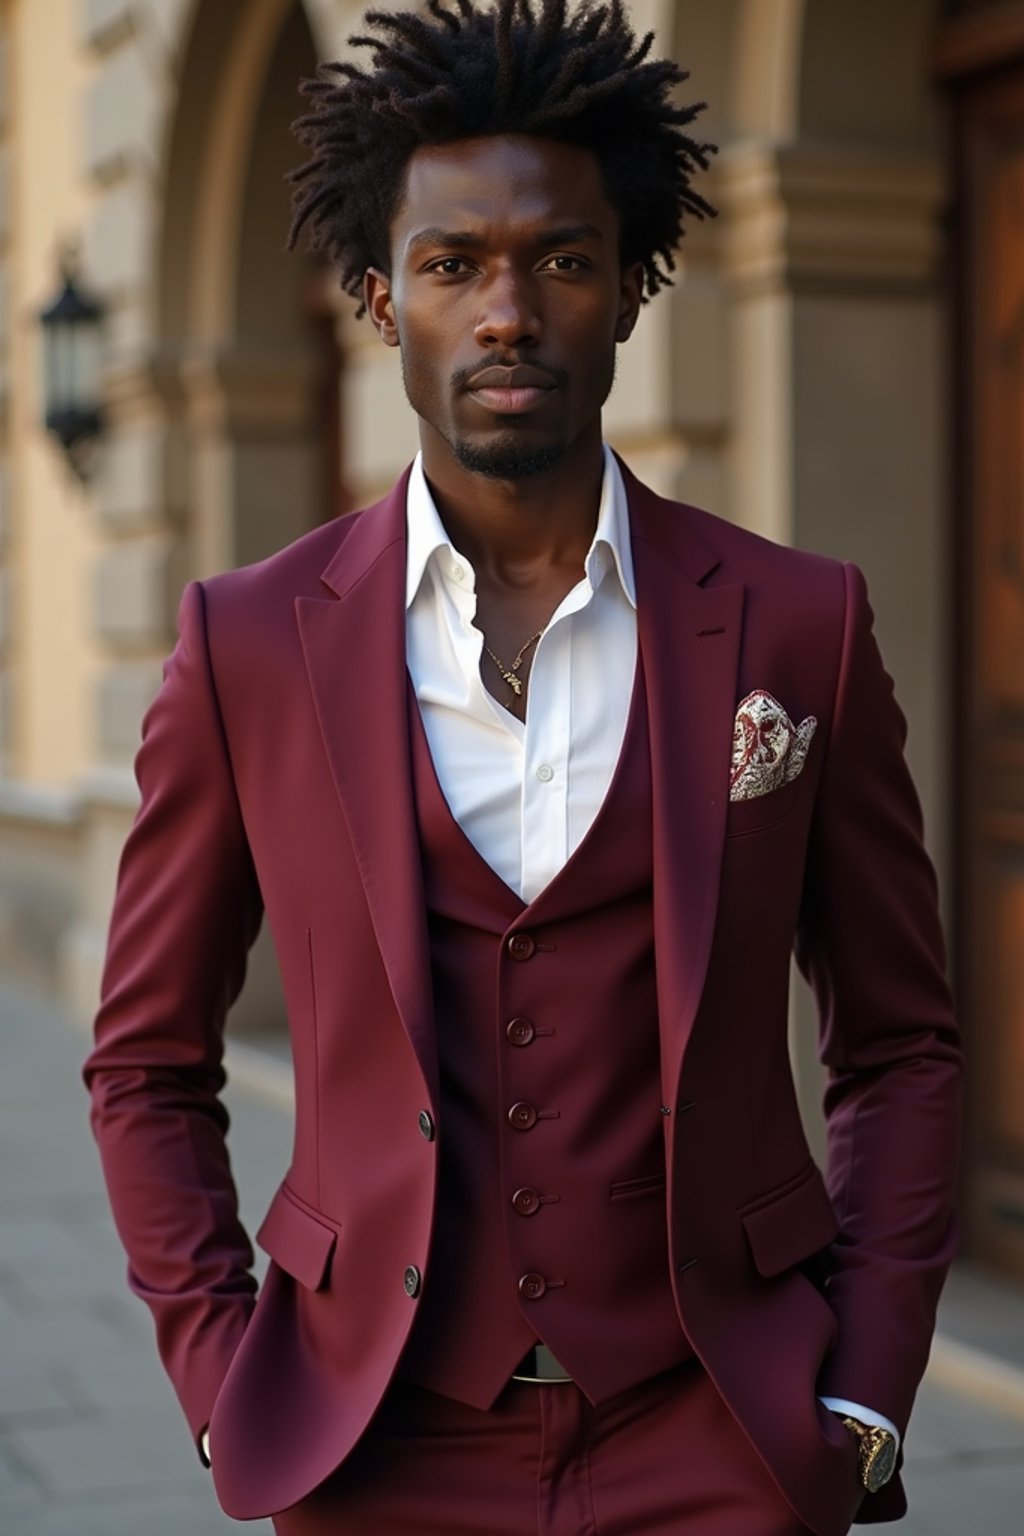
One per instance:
[(662, 1459)]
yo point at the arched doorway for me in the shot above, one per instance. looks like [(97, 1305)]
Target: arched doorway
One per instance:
[(248, 330)]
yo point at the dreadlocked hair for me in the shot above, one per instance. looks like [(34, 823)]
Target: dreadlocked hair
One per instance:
[(465, 70)]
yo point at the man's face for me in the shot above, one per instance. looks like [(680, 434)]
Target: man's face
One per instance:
[(507, 298)]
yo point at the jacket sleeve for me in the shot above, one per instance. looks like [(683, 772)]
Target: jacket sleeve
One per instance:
[(186, 911), (870, 944)]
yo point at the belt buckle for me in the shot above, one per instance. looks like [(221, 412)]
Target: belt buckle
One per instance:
[(546, 1370)]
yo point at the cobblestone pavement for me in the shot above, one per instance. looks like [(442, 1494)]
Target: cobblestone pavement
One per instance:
[(92, 1442)]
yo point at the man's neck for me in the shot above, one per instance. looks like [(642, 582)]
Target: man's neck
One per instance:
[(511, 529)]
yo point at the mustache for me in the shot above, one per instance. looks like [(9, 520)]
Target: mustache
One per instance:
[(465, 378)]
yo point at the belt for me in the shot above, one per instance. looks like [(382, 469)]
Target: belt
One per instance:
[(541, 1367)]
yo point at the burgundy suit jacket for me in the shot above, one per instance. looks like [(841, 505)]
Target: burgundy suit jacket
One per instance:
[(275, 777)]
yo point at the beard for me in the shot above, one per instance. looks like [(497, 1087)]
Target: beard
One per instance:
[(508, 457)]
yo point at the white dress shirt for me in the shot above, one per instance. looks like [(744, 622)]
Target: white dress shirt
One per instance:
[(526, 794)]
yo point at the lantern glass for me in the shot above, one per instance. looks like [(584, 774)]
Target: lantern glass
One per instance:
[(72, 329), (84, 365)]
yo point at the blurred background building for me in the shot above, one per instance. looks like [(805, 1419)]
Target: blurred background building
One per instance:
[(841, 366)]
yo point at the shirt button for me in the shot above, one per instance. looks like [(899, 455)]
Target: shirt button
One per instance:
[(457, 573), (545, 773), (526, 1202), (522, 1117), (521, 946), (532, 1287), (519, 1031), (426, 1125), (412, 1280)]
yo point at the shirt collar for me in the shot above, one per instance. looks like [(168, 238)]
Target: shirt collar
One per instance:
[(610, 549)]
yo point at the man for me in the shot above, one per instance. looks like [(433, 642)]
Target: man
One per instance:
[(539, 780)]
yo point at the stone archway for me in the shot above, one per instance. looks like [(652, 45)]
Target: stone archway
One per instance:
[(236, 329)]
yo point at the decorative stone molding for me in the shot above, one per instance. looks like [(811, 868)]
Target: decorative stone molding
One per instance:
[(105, 23), (802, 218), (121, 114)]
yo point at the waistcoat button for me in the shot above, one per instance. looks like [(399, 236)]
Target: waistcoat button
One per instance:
[(521, 946), (522, 1117), (426, 1125), (526, 1201), (532, 1287), (411, 1280), (519, 1031)]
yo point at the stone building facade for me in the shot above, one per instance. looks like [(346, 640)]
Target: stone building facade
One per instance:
[(801, 378)]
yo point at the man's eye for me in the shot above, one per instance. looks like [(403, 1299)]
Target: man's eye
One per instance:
[(449, 266), (563, 263)]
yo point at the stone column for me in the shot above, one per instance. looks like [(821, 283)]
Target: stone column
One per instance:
[(834, 257)]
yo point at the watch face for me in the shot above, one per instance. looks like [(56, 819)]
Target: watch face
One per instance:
[(881, 1461)]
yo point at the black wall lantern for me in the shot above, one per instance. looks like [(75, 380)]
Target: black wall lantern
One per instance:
[(72, 360)]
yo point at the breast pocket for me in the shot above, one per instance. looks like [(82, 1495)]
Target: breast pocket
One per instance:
[(746, 816)]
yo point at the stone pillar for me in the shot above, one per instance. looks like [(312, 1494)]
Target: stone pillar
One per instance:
[(834, 260)]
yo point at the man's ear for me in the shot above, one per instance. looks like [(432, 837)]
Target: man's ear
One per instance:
[(377, 298), (630, 299)]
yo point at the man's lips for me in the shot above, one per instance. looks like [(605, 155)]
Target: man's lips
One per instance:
[(511, 391)]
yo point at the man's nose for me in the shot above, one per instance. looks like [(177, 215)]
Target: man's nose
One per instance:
[(508, 314)]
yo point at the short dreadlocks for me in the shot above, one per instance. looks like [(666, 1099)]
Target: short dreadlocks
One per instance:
[(465, 70)]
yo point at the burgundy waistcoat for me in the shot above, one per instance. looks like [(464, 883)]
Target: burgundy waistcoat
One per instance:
[(551, 1221)]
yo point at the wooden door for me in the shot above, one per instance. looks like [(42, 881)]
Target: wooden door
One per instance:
[(989, 722)]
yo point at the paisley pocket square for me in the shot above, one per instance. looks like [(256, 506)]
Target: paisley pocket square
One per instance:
[(768, 750)]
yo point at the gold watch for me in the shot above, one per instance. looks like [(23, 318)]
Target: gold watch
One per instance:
[(876, 1453)]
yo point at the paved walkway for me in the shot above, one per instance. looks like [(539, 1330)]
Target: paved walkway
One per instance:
[(92, 1442)]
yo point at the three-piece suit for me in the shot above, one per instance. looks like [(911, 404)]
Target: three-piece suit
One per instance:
[(571, 1119)]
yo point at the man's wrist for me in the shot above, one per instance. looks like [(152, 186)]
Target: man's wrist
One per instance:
[(844, 1407)]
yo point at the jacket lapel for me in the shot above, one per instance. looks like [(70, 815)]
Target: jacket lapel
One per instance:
[(689, 638), (353, 640)]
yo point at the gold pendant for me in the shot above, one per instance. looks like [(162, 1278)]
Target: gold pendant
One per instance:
[(513, 682)]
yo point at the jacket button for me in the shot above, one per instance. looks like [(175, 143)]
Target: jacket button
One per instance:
[(412, 1279), (426, 1125), (521, 946), (526, 1201), (519, 1031), (522, 1117), (532, 1287)]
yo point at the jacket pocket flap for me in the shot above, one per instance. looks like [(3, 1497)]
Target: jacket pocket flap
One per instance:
[(299, 1242), (791, 1225)]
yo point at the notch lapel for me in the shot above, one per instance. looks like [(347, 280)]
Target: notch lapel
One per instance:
[(689, 638), (354, 647)]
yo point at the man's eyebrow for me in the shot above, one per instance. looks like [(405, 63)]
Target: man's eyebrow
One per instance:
[(569, 234), (460, 239), (466, 239)]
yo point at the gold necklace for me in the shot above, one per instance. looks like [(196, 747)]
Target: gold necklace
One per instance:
[(510, 674)]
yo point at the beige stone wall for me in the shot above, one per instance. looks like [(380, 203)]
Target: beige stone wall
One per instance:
[(794, 380), (51, 664)]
